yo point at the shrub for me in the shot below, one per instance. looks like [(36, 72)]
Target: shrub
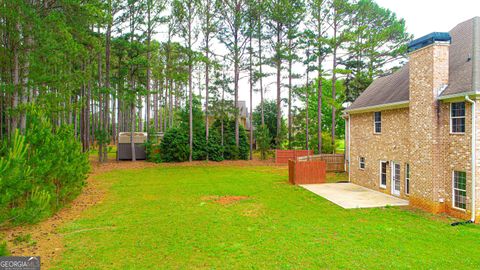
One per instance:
[(215, 148), (263, 141), (3, 249), (39, 171), (231, 151), (58, 164), (174, 146), (15, 178)]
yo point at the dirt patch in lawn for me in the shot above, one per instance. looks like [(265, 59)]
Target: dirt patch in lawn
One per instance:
[(44, 239), (230, 199), (255, 210), (225, 200)]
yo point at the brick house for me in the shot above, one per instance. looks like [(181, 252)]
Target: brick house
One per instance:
[(410, 134)]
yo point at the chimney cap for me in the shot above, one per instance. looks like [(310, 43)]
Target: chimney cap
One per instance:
[(429, 39)]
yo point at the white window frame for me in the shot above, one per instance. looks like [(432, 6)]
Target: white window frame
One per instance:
[(386, 174), (360, 163), (453, 191), (407, 178), (457, 117), (375, 122)]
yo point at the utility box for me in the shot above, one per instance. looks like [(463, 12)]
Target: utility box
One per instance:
[(124, 147)]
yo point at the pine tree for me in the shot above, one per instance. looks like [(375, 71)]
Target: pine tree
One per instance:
[(234, 14)]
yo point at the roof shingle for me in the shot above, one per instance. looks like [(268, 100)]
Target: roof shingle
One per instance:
[(394, 88)]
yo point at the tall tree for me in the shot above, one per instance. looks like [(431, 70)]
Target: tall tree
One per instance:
[(283, 19), (341, 11), (316, 35), (254, 7), (186, 12), (154, 9), (209, 25), (379, 40), (234, 14), (295, 14)]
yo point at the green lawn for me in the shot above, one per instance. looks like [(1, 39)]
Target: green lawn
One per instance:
[(166, 218)]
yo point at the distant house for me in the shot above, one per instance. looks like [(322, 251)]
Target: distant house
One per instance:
[(411, 134), (244, 114)]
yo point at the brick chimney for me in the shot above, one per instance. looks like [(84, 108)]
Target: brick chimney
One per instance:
[(428, 76)]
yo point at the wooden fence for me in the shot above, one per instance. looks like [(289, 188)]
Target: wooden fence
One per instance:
[(335, 162), (283, 156), (307, 172)]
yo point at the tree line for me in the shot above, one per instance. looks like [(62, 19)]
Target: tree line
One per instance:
[(110, 66)]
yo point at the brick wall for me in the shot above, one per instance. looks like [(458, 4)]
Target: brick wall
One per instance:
[(391, 145), (428, 73), (418, 135)]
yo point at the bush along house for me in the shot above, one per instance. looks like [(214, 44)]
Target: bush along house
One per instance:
[(415, 134)]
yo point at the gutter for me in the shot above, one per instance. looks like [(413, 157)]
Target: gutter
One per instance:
[(393, 105), (474, 157), (458, 96)]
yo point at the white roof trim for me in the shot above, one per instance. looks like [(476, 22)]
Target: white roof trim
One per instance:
[(388, 106), (459, 95)]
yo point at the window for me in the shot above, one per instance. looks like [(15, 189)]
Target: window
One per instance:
[(361, 161), (383, 174), (457, 117), (460, 190), (407, 178), (377, 122), (396, 179)]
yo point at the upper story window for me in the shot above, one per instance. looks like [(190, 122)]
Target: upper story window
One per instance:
[(377, 122), (457, 117)]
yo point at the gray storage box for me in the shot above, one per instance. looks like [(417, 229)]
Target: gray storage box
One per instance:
[(124, 148)]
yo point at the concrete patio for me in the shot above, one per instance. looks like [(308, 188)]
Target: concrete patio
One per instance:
[(348, 195)]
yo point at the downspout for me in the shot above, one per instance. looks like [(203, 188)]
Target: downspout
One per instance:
[(474, 142), (349, 143), (475, 88)]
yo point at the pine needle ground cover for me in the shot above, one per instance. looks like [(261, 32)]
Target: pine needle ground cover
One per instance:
[(227, 217)]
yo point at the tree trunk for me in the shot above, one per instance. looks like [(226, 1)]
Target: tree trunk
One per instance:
[(190, 110), (16, 84), (222, 117), (279, 98), (290, 60), (26, 72), (236, 78), (334, 80), (307, 85), (319, 86), (259, 33), (207, 81), (107, 86), (155, 104), (334, 94), (149, 54), (101, 126), (251, 93), (132, 130)]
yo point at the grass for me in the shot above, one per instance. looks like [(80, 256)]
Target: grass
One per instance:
[(165, 218), (111, 152), (335, 177), (340, 146)]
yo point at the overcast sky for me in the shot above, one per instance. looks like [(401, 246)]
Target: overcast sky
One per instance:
[(425, 16), (421, 16)]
